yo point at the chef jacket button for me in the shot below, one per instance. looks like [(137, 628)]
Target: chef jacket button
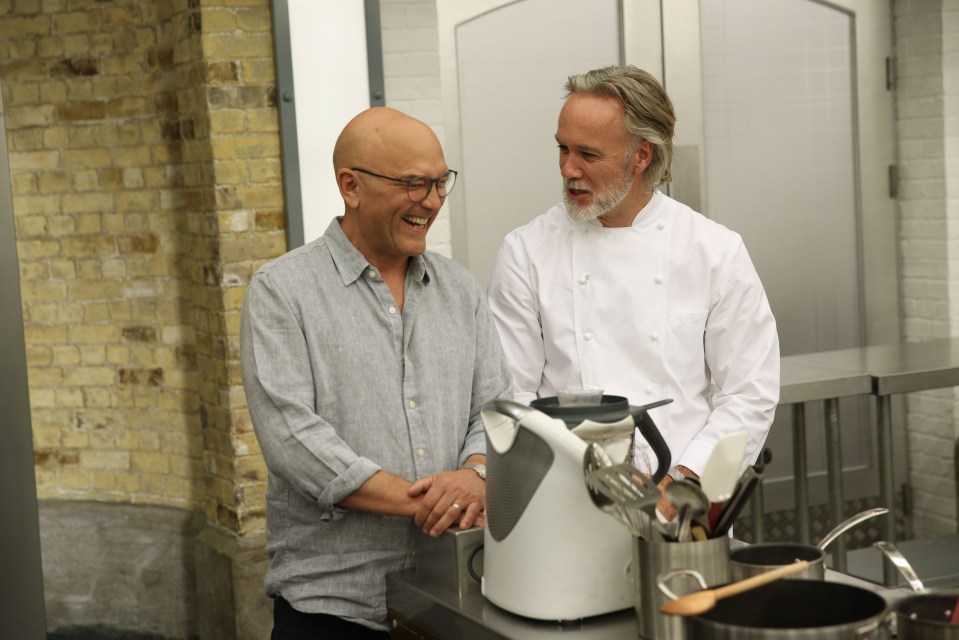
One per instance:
[(412, 404), (587, 336), (659, 279), (584, 279), (420, 452), (660, 226), (649, 390), (654, 336)]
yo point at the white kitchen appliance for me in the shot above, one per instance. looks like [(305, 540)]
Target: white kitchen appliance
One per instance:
[(549, 552)]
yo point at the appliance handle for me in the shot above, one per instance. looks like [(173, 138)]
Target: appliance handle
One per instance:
[(652, 435), (508, 408)]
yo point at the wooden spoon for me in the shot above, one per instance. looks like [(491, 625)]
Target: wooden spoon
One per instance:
[(692, 604)]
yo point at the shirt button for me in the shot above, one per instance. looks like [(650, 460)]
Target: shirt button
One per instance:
[(654, 336), (372, 274), (392, 309), (659, 279), (412, 404), (420, 452), (587, 336)]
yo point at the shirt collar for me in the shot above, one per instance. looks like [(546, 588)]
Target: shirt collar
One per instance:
[(351, 264)]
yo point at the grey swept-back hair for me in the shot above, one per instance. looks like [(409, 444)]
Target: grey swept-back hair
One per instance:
[(649, 111)]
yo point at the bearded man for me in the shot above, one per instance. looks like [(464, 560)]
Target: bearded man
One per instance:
[(622, 288)]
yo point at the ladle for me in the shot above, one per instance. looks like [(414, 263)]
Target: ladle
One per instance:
[(693, 604)]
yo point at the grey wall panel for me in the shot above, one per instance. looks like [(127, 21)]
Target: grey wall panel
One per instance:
[(21, 577)]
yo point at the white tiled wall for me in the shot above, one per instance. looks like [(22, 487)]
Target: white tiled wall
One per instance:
[(927, 65)]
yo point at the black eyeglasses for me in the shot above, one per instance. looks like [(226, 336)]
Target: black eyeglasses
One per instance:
[(418, 188)]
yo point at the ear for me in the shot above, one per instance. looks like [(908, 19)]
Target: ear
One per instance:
[(349, 188), (643, 156)]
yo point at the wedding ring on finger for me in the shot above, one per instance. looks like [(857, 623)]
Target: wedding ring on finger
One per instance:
[(456, 506)]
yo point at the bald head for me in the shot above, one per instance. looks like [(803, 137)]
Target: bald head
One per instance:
[(385, 135)]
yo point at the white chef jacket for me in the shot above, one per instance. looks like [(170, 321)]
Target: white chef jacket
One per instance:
[(651, 311)]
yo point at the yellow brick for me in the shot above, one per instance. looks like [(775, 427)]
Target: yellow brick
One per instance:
[(44, 398), (31, 271), (89, 375), (218, 20), (74, 159), (69, 398), (97, 398), (87, 202), (117, 354), (55, 137), (28, 226), (267, 170), (83, 334), (24, 183), (259, 71), (104, 481), (44, 335), (103, 439), (150, 463), (42, 313), (128, 482), (31, 116), (94, 313), (95, 290), (89, 246), (43, 291), (76, 439), (66, 355), (218, 45), (254, 20), (114, 460), (227, 121), (63, 269), (46, 480), (39, 356), (78, 22), (61, 225), (41, 204), (34, 160), (260, 120), (88, 223), (70, 480)]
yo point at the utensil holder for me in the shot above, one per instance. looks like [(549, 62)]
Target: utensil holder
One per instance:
[(709, 558)]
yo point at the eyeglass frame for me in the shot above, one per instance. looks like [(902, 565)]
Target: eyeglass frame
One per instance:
[(407, 182)]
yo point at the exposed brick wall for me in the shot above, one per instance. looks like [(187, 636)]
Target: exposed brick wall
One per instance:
[(146, 177), (927, 104)]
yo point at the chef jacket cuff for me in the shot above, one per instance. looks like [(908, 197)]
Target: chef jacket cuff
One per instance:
[(359, 471), (694, 457)]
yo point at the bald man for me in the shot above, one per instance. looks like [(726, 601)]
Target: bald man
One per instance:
[(366, 359)]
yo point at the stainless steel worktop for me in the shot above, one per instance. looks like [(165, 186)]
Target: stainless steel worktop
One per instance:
[(894, 368)]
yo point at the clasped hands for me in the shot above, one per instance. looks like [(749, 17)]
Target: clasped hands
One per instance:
[(449, 498)]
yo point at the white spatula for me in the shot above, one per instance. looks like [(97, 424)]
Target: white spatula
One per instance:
[(722, 468)]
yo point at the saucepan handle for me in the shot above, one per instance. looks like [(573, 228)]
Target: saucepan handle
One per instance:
[(669, 575)]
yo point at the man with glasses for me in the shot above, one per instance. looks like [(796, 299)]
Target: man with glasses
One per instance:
[(366, 360), (622, 288)]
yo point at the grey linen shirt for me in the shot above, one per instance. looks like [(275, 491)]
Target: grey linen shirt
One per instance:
[(340, 384)]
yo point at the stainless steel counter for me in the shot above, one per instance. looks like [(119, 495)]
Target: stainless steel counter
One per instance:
[(826, 376)]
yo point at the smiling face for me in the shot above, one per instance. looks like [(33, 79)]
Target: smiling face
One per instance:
[(600, 162), (381, 220)]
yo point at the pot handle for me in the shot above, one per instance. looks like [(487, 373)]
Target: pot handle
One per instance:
[(666, 577), (899, 561), (869, 630)]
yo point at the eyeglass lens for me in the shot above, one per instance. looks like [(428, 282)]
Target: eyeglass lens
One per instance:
[(419, 188)]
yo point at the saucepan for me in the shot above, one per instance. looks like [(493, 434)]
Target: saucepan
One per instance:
[(927, 615), (758, 558), (795, 610)]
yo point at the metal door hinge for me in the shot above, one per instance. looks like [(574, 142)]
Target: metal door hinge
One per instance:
[(893, 181), (890, 73)]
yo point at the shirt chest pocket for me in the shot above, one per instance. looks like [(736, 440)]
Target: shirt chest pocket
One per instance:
[(687, 319)]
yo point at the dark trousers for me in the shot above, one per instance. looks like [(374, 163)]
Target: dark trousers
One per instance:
[(290, 624)]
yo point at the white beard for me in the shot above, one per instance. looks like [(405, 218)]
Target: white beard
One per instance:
[(602, 202)]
